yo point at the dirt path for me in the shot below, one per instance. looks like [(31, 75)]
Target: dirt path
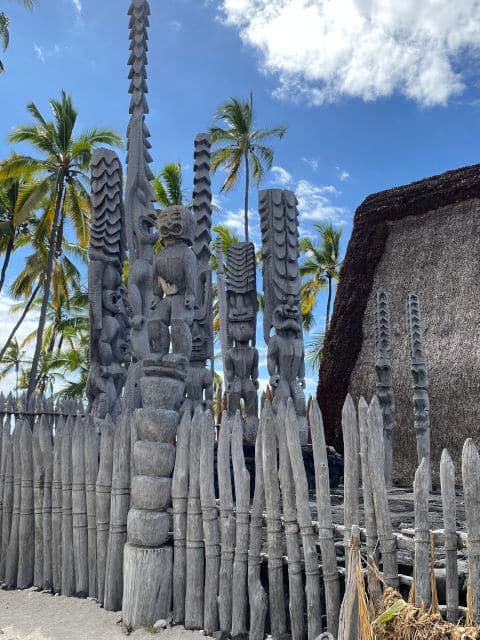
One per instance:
[(36, 616)]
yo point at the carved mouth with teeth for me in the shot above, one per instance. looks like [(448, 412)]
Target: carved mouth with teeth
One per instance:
[(147, 227)]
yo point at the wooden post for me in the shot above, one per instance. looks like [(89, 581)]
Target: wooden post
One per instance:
[(376, 452), (348, 624), (26, 533), (294, 554), (325, 524), (38, 481), (256, 593), (46, 446), (68, 567), (79, 510), (423, 593), (351, 471), (374, 588), (120, 504), (195, 587), (91, 473), (4, 439), (449, 502), (304, 515), (57, 506), (12, 554), (103, 495), (210, 525), (7, 506), (179, 502), (242, 503), (471, 490), (274, 525), (227, 525)]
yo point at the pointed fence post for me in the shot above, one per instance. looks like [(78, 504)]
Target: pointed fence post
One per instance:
[(7, 494), (274, 525), (4, 436), (227, 524), (292, 532), (79, 509), (348, 623), (26, 532), (12, 553), (179, 502), (91, 473), (38, 482), (103, 500), (68, 567), (423, 594), (331, 576), (210, 525), (57, 506), (304, 515), (351, 471), (449, 503), (46, 446), (257, 596), (471, 490)]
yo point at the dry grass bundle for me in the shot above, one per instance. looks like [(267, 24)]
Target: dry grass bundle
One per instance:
[(400, 620)]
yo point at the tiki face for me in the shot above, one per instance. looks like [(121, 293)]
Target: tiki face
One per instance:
[(421, 410), (242, 332), (419, 376), (384, 373), (176, 223), (286, 316), (145, 228), (113, 301)]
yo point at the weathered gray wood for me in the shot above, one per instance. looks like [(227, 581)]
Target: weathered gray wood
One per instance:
[(195, 586), (103, 498), (292, 535), (38, 481), (91, 473), (449, 502), (351, 446), (26, 531), (304, 515), (120, 504), (210, 524), (57, 498), (179, 502), (374, 588), (471, 491), (68, 567), (274, 525), (4, 439), (227, 524), (7, 505), (242, 504), (325, 525), (376, 452), (422, 537), (12, 553), (79, 509), (348, 623), (46, 446), (257, 596)]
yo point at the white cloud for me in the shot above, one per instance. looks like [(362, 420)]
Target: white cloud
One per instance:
[(42, 53), (324, 49), (77, 4), (344, 175), (39, 52), (311, 162), (281, 176), (314, 203), (175, 26)]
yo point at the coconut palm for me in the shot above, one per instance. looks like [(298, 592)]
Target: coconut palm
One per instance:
[(61, 179), (314, 351), (168, 184), (321, 267), (242, 145), (4, 26), (12, 360)]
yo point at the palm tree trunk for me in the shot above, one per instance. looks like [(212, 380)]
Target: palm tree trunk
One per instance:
[(329, 302), (46, 291), (247, 189), (6, 261), (31, 300)]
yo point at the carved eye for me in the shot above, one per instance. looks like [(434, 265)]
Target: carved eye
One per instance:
[(176, 228)]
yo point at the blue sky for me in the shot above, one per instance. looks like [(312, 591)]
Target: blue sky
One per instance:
[(375, 93)]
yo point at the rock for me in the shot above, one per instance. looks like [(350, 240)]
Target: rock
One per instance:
[(160, 625)]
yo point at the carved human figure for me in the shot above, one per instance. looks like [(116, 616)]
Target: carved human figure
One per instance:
[(241, 371), (174, 291), (286, 357)]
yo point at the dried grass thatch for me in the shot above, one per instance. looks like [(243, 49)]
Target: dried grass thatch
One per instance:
[(423, 238)]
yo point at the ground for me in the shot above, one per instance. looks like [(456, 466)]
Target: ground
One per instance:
[(26, 615)]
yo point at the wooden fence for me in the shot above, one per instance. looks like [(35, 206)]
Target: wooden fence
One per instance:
[(275, 564)]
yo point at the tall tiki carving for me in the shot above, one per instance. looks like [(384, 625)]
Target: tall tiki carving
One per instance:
[(200, 378), (383, 368), (421, 399), (139, 198), (241, 361), (109, 326), (281, 285)]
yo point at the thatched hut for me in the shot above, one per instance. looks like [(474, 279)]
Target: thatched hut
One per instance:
[(422, 238)]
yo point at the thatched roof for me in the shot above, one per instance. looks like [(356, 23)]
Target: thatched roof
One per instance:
[(375, 220)]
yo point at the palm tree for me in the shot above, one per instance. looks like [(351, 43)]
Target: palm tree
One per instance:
[(167, 185), (12, 361), (4, 26), (322, 267), (62, 179), (242, 145)]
